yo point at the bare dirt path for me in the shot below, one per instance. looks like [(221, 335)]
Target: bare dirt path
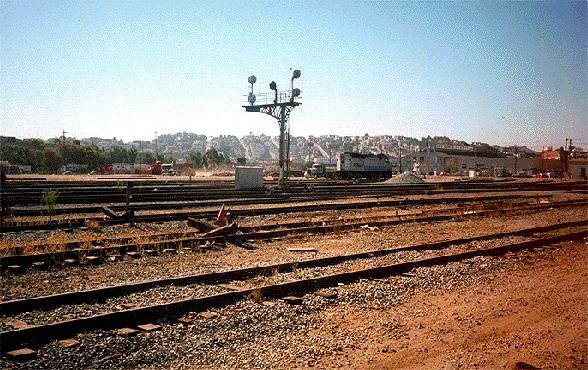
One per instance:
[(536, 315)]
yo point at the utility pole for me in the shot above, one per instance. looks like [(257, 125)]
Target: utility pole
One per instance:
[(428, 159), (564, 156), (156, 151), (2, 201), (139, 156), (516, 155), (399, 158)]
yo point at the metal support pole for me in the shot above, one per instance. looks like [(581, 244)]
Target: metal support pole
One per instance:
[(2, 204), (288, 153), (400, 159), (129, 196), (516, 159), (282, 148), (156, 149)]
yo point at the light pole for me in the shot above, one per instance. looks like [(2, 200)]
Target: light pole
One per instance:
[(399, 158), (156, 151), (516, 155)]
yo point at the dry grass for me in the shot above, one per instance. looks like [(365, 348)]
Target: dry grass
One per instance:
[(6, 245), (56, 241), (256, 296), (52, 243), (92, 224)]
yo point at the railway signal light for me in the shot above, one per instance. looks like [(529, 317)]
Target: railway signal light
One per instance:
[(280, 109)]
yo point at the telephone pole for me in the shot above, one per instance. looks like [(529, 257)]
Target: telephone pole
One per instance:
[(156, 151), (399, 158)]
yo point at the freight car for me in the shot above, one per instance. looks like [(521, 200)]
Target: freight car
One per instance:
[(355, 165)]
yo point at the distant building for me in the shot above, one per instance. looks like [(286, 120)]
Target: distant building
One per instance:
[(73, 167), (123, 168), (430, 162), (15, 169), (550, 155), (579, 168)]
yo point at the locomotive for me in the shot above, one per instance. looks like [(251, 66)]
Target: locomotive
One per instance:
[(355, 165)]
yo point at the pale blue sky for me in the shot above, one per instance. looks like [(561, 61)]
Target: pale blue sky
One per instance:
[(500, 72)]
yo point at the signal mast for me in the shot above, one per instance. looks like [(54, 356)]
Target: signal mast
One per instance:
[(281, 107)]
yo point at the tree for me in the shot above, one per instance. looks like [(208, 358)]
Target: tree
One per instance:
[(49, 197), (211, 156), (72, 153), (214, 158), (93, 156), (146, 157), (196, 159), (117, 155), (241, 161), (51, 159), (132, 155)]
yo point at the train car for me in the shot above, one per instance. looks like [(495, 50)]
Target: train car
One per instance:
[(167, 169), (321, 170), (155, 168), (371, 166)]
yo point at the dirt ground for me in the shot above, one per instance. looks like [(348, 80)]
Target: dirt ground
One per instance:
[(535, 316)]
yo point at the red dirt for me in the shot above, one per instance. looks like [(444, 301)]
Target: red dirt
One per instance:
[(535, 315)]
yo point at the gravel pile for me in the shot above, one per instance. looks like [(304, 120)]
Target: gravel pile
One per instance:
[(405, 178)]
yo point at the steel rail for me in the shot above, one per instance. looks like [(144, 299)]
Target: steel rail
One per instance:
[(268, 226), (47, 302), (42, 333), (145, 194), (276, 209), (55, 258)]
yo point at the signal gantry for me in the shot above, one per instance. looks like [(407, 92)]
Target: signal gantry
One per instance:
[(280, 108)]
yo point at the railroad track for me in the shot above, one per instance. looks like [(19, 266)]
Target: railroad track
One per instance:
[(63, 315), (273, 199), (255, 211), (102, 250), (483, 205), (96, 193)]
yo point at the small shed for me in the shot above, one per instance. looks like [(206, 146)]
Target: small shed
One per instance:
[(248, 177)]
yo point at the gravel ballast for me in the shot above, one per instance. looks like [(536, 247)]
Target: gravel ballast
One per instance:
[(273, 334)]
